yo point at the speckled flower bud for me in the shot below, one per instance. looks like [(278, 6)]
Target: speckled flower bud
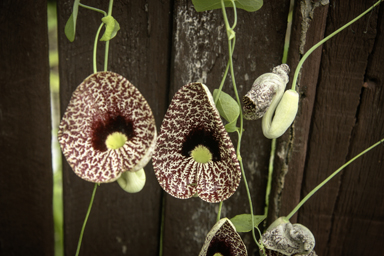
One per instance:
[(288, 239), (265, 89)]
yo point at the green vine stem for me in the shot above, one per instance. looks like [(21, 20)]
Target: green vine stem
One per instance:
[(305, 199), (323, 41), (107, 43), (86, 219), (223, 79), (273, 141), (217, 96), (97, 36), (93, 9), (270, 173), (95, 48), (219, 211), (162, 224), (231, 38)]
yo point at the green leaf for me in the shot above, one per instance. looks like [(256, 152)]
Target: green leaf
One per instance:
[(70, 29), (206, 5), (70, 26), (228, 109), (243, 222), (231, 127), (111, 28)]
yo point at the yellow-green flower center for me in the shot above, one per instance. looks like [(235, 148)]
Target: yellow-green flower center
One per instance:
[(201, 154), (115, 140), (217, 254)]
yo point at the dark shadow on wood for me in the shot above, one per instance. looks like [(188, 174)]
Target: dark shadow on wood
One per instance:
[(26, 221)]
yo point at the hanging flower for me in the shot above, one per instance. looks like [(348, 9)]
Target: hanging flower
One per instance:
[(283, 238), (107, 129), (223, 240), (194, 154)]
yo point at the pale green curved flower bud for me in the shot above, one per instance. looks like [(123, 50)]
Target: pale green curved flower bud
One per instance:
[(266, 96), (267, 88), (132, 182), (285, 114)]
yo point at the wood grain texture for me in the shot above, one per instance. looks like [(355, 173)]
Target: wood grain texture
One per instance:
[(120, 223), (358, 219), (200, 54), (335, 121), (26, 222)]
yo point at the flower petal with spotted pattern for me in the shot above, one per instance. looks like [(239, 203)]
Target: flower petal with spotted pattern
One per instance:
[(107, 129), (194, 154), (223, 240)]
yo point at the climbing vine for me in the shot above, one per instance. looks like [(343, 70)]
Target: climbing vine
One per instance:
[(192, 154)]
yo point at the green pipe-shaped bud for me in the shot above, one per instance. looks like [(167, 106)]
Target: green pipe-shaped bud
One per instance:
[(286, 110), (132, 182)]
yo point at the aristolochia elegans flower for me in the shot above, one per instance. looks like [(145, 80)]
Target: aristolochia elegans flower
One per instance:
[(108, 129), (266, 96), (194, 154), (223, 240), (284, 238)]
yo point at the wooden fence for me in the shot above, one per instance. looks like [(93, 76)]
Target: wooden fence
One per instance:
[(162, 46)]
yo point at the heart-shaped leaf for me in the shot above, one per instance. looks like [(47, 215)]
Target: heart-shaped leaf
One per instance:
[(70, 26), (111, 28), (243, 222), (228, 109), (206, 5)]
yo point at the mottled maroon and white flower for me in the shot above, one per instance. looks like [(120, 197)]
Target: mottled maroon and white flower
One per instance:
[(194, 154), (107, 129), (285, 239), (223, 240)]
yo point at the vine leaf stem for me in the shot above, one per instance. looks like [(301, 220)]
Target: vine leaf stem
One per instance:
[(107, 43), (305, 199), (300, 64), (86, 219), (94, 59), (219, 211), (93, 9), (231, 43), (270, 173)]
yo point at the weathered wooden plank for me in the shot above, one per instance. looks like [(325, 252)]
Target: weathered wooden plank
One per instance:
[(26, 221), (358, 217), (200, 54), (120, 223), (337, 105)]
